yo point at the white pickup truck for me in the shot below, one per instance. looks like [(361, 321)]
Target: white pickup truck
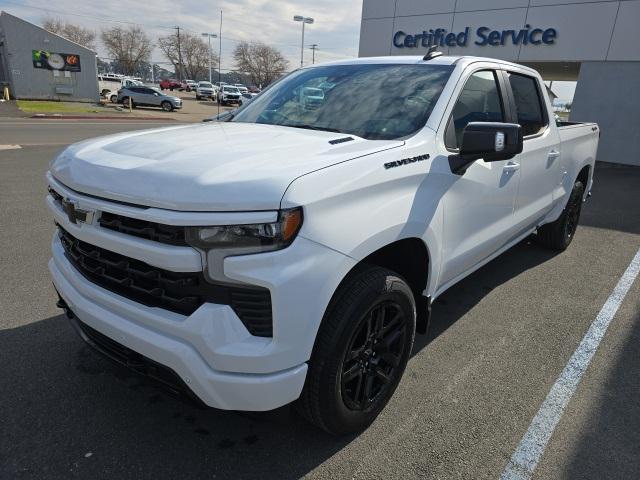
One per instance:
[(292, 252)]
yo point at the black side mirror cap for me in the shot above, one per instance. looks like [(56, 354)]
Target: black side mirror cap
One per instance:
[(490, 141)]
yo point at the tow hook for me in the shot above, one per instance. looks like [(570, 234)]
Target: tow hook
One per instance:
[(63, 305)]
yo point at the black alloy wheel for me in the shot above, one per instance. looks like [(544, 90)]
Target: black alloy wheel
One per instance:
[(373, 356)]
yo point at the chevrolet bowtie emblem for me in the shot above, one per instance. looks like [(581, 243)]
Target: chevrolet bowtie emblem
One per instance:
[(74, 213)]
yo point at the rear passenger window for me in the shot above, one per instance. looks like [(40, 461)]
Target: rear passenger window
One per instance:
[(479, 101), (528, 103)]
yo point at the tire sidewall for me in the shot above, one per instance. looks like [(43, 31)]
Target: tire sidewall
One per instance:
[(576, 196), (338, 417)]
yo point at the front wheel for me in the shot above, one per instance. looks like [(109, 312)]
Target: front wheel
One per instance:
[(166, 106), (559, 234), (361, 352)]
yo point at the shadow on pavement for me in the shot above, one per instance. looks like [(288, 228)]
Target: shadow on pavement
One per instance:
[(611, 441), (462, 297), (616, 199), (68, 413)]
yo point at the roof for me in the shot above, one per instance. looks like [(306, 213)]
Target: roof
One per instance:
[(419, 59), (4, 14)]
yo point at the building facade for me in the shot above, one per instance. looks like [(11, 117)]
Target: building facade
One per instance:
[(39, 65), (596, 43)]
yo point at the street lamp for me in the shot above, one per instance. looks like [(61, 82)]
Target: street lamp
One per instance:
[(210, 36), (300, 18)]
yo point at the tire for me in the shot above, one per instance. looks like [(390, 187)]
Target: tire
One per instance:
[(361, 352), (166, 106), (125, 102), (113, 99), (198, 97), (558, 235)]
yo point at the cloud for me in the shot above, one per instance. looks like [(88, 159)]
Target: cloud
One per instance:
[(336, 28)]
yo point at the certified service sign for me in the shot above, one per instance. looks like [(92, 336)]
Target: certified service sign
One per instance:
[(55, 61)]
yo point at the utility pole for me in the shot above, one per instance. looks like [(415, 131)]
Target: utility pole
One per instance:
[(179, 56), (313, 55)]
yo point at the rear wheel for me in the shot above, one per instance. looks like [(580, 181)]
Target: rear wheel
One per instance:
[(558, 235), (360, 353), (166, 106)]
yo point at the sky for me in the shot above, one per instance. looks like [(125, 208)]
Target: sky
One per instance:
[(336, 29)]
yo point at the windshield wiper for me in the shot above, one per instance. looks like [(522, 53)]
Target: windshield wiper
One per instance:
[(311, 127)]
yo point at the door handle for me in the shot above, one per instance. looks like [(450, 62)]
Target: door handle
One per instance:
[(553, 154), (511, 167)]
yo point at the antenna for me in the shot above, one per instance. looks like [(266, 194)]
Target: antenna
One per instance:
[(432, 53)]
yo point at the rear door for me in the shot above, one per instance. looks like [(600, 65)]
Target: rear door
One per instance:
[(478, 205), (540, 159)]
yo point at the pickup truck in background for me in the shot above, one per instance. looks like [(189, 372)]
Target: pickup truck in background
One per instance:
[(292, 252)]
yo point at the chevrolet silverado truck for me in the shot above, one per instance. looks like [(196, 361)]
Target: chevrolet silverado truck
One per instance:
[(291, 253)]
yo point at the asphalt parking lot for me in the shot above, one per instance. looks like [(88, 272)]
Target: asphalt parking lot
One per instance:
[(498, 342)]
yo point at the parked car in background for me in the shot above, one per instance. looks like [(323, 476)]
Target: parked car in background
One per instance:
[(247, 97), (148, 97), (241, 87), (205, 90), (229, 94), (170, 84), (108, 83), (112, 96), (190, 85)]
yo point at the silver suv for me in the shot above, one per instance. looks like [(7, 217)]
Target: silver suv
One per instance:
[(148, 97)]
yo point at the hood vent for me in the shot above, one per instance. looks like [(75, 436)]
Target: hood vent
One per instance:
[(341, 140)]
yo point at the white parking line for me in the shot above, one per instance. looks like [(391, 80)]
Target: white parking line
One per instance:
[(9, 147), (526, 457)]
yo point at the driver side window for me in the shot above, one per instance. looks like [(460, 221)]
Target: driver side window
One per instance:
[(479, 101)]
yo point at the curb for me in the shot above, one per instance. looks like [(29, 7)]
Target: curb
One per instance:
[(99, 117)]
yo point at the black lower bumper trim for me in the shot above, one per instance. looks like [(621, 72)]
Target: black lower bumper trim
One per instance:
[(161, 376)]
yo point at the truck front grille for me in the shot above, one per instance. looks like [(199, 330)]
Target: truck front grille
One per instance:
[(169, 234), (178, 292)]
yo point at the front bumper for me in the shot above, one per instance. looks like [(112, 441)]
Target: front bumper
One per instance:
[(125, 322)]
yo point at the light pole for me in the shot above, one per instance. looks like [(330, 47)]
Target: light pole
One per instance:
[(313, 49), (210, 36), (300, 18)]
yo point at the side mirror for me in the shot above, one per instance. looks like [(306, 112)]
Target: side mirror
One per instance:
[(490, 141)]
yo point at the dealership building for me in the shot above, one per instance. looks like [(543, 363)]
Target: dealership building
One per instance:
[(39, 65), (595, 43)]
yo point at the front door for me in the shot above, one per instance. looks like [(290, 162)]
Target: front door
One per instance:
[(478, 206)]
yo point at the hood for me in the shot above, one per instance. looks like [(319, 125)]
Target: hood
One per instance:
[(204, 167)]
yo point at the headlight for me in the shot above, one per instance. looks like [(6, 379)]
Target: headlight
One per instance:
[(254, 238)]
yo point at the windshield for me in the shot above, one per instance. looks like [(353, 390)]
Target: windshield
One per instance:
[(231, 89), (376, 102), (205, 84)]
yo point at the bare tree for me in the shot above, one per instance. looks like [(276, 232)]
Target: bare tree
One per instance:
[(194, 51), (262, 63), (75, 33), (130, 47)]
